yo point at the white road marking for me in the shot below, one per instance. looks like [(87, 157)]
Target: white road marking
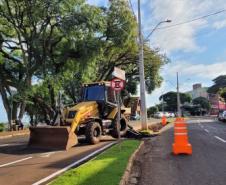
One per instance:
[(20, 160), (47, 154), (5, 145), (198, 121), (207, 120), (73, 164), (206, 130), (220, 139)]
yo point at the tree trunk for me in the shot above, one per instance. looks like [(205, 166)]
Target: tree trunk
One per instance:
[(14, 111), (22, 110), (52, 96), (6, 104), (31, 119)]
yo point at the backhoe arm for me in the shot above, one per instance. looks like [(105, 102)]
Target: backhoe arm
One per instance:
[(75, 122)]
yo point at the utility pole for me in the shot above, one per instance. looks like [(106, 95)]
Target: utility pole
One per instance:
[(178, 99), (162, 103), (143, 110)]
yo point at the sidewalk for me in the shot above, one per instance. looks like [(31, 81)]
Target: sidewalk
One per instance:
[(8, 134), (142, 165), (137, 124)]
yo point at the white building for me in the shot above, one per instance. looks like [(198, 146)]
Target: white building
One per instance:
[(198, 91)]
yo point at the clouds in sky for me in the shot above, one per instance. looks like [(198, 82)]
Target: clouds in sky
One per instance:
[(185, 45), (189, 73), (219, 24), (205, 71), (182, 37)]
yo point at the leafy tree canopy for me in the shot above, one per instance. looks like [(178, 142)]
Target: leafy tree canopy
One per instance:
[(171, 100), (219, 82), (152, 110), (222, 93), (203, 102), (47, 46)]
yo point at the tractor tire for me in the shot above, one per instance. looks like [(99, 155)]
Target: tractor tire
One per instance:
[(123, 128), (93, 132)]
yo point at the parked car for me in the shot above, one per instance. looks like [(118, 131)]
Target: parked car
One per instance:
[(158, 115), (161, 114), (222, 116), (135, 117), (167, 114), (172, 115)]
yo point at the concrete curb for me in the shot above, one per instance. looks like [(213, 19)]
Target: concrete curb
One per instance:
[(125, 178), (5, 135)]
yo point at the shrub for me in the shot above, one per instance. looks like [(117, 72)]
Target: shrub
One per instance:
[(2, 127)]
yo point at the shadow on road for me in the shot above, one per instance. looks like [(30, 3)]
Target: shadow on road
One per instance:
[(24, 149)]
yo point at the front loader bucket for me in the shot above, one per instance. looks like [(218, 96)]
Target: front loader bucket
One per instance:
[(57, 138)]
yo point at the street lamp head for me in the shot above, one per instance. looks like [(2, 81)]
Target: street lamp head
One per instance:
[(168, 20)]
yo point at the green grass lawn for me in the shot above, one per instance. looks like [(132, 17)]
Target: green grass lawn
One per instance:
[(105, 169)]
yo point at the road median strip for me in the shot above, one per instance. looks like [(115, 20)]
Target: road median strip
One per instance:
[(106, 169)]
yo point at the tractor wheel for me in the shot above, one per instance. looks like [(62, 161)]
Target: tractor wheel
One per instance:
[(93, 132), (123, 127)]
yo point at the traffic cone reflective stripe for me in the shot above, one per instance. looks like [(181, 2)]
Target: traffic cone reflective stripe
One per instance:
[(179, 119), (180, 125), (180, 130)]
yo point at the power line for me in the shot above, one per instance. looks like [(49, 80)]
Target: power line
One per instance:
[(192, 20)]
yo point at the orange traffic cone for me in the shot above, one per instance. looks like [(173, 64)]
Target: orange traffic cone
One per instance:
[(181, 119), (181, 144), (164, 120)]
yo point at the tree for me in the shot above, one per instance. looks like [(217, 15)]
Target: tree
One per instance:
[(2, 127), (203, 102), (171, 100), (222, 93), (120, 49), (219, 82), (38, 38), (47, 46), (152, 110), (219, 86)]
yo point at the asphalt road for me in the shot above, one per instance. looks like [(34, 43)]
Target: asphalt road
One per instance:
[(206, 166), (20, 165)]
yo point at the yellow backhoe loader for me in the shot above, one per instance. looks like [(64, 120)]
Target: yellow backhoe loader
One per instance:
[(93, 117)]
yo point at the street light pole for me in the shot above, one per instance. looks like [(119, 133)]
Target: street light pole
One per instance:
[(143, 110), (163, 103), (178, 98), (166, 21)]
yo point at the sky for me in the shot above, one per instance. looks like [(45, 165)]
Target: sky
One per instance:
[(197, 50)]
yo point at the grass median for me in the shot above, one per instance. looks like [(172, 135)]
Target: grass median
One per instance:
[(105, 169)]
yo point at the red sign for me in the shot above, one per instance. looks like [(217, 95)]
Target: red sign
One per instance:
[(117, 84)]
